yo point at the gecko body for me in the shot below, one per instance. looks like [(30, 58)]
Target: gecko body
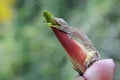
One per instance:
[(93, 54)]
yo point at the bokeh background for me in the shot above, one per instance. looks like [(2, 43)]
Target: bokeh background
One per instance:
[(30, 51)]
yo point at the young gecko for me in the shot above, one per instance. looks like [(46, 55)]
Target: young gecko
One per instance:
[(73, 31)]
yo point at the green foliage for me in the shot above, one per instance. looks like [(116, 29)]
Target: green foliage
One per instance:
[(29, 49)]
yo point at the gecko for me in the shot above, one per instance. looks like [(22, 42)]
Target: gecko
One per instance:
[(76, 32)]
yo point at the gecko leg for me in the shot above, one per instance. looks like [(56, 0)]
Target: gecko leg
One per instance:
[(67, 30), (70, 35)]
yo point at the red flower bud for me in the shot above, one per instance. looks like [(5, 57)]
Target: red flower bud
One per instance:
[(75, 50)]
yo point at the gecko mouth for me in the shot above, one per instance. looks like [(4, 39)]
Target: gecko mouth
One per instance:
[(74, 49)]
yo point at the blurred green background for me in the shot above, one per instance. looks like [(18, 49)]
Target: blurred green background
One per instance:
[(30, 51)]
